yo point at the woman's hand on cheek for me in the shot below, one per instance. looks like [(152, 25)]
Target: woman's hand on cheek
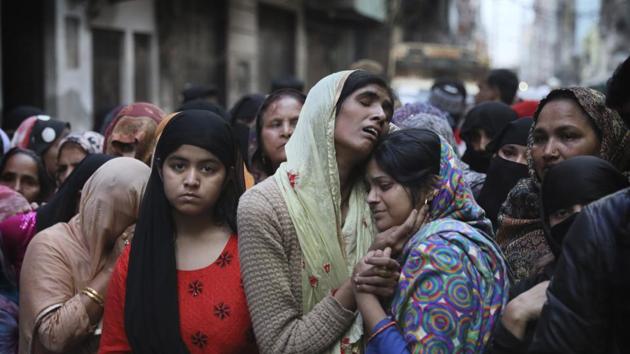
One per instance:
[(395, 237), (376, 274)]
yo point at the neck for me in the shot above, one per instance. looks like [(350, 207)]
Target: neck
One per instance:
[(346, 167), (193, 226)]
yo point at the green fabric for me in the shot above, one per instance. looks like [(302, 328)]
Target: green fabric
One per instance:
[(309, 183)]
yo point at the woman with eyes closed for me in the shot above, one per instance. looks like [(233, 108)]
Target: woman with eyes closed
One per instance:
[(177, 288), (569, 122), (454, 280), (304, 228), (275, 123)]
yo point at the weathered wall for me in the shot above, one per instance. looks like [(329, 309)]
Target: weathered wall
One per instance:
[(192, 46)]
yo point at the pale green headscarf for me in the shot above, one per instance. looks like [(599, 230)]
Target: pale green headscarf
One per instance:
[(309, 183)]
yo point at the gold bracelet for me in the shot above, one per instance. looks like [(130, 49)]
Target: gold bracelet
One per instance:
[(94, 295)]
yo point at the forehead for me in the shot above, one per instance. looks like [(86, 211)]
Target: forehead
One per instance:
[(373, 170), (21, 164), (192, 152), (282, 103), (562, 113), (373, 88), (71, 153)]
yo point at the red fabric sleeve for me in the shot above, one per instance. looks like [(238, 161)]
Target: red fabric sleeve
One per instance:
[(114, 337)]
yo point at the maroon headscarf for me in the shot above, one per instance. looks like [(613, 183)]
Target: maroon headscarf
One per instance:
[(138, 133)]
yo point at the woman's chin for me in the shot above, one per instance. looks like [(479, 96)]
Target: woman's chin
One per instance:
[(382, 225)]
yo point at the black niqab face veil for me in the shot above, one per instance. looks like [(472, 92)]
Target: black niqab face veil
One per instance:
[(502, 175), (151, 305), (492, 118), (576, 181)]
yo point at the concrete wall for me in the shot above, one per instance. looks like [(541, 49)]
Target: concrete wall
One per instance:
[(242, 49), (69, 84), (192, 40), (243, 64)]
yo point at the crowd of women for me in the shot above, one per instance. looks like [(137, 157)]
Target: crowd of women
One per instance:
[(335, 221)]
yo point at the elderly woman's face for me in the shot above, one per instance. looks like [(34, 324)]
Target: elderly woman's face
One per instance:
[(562, 131), (132, 137), (361, 121), (278, 123), (70, 155)]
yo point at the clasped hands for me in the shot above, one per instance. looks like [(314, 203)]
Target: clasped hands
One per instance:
[(377, 273)]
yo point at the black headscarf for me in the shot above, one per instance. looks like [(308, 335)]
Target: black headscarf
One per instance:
[(45, 133), (578, 180), (491, 117), (205, 105), (502, 175), (64, 204), (152, 319)]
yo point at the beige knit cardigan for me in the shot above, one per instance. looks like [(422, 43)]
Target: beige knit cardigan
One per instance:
[(271, 265)]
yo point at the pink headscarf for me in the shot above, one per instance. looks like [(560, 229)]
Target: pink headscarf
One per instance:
[(11, 202)]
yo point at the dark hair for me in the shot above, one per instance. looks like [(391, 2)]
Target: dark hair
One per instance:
[(562, 94), (205, 105), (359, 79), (507, 83), (618, 87), (64, 204), (457, 84), (258, 159), (246, 108), (411, 157), (46, 184), (287, 83), (194, 91)]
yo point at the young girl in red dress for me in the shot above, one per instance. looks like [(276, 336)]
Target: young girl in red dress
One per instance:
[(177, 288)]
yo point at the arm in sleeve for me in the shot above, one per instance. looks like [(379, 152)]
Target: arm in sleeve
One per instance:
[(64, 327), (386, 338), (572, 320), (279, 325)]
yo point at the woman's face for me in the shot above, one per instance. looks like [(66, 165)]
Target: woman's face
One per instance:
[(514, 152), (20, 174), (278, 123), (362, 119), (193, 180), (479, 139), (69, 157), (562, 214), (389, 201), (562, 131), (49, 157)]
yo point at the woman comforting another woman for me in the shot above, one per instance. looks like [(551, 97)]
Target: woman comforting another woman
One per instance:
[(454, 281)]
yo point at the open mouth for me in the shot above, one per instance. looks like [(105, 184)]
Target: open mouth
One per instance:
[(372, 131)]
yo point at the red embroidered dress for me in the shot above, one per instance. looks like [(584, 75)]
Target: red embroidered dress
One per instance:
[(212, 307)]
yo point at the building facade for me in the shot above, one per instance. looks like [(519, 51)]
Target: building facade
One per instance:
[(78, 59)]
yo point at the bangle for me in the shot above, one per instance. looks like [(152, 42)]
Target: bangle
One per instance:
[(94, 295), (384, 327)]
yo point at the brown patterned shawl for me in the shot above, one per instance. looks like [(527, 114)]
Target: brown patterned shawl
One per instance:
[(520, 232)]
